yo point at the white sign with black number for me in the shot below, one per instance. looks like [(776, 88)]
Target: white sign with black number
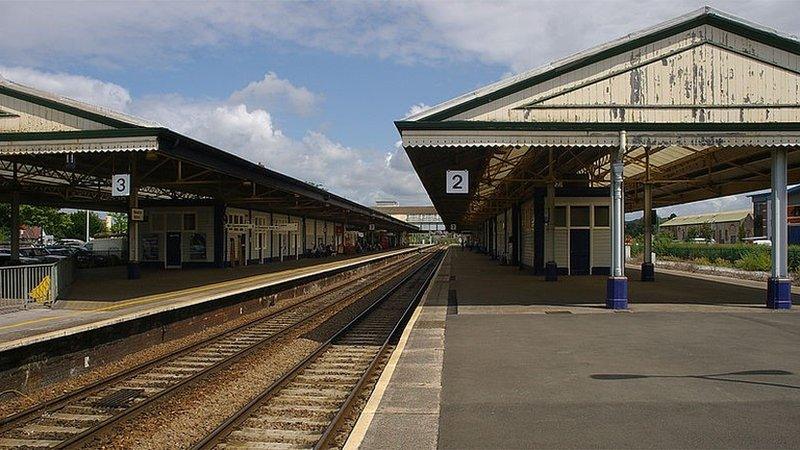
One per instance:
[(457, 181), (121, 185)]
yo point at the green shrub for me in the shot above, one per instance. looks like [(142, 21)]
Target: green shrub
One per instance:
[(755, 261), (731, 255)]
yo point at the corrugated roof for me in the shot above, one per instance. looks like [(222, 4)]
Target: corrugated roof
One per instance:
[(699, 219)]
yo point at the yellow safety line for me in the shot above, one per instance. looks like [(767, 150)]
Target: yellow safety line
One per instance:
[(42, 319)]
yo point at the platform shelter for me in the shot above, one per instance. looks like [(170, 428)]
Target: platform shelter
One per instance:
[(188, 203), (541, 167)]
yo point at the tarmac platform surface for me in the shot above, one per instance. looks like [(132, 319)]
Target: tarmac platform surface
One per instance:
[(115, 299), (528, 364)]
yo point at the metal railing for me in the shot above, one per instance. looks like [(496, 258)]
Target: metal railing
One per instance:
[(50, 280)]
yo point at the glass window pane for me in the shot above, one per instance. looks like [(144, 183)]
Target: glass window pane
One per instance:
[(579, 216), (601, 216), (560, 217)]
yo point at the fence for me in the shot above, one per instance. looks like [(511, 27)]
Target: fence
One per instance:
[(17, 282)]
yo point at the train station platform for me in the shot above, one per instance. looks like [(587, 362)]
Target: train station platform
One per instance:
[(498, 358), (101, 299)]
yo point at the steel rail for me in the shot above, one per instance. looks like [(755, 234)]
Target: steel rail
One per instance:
[(349, 403), (20, 419), (230, 424)]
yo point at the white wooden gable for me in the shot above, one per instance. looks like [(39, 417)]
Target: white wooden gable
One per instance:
[(704, 74)]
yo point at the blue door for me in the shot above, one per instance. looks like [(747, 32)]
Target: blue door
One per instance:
[(579, 252)]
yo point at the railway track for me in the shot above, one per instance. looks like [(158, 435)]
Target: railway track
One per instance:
[(308, 405), (77, 417)]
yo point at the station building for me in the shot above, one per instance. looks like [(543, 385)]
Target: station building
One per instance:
[(701, 106), (188, 203)]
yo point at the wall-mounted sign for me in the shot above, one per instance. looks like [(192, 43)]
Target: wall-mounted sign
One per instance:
[(372, 227), (452, 227), (457, 181), (121, 185), (137, 214)]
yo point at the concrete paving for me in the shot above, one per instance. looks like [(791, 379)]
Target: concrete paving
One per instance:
[(529, 364)]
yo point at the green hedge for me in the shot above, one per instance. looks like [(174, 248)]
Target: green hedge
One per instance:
[(732, 253)]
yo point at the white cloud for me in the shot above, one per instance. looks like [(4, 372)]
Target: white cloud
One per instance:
[(76, 87), (416, 109), (273, 91), (516, 34)]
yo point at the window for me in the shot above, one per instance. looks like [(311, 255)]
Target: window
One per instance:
[(189, 222), (601, 216), (579, 216), (560, 216)]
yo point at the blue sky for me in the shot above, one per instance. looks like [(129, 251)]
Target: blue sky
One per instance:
[(311, 89)]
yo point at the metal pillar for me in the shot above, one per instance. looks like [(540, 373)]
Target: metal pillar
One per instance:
[(617, 284), (779, 285), (133, 226), (648, 269), (14, 227), (551, 267)]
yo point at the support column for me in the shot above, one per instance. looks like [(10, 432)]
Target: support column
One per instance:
[(14, 228), (779, 285), (617, 284), (133, 226), (551, 267)]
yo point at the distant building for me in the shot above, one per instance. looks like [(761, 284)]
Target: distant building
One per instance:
[(425, 217), (761, 204), (726, 227)]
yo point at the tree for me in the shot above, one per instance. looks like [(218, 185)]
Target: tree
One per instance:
[(119, 223), (76, 225)]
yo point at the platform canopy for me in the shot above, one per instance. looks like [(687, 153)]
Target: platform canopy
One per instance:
[(59, 152), (703, 99)]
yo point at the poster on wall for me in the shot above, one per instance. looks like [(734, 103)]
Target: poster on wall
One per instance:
[(197, 246), (150, 247)]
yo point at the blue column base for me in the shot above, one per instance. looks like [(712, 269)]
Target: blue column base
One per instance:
[(551, 271), (779, 293), (617, 293), (133, 271), (648, 272)]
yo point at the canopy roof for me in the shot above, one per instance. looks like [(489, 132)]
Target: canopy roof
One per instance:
[(703, 99), (65, 152), (699, 219)]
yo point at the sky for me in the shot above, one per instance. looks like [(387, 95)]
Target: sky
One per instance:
[(311, 89)]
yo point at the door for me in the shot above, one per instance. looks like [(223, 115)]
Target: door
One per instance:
[(579, 252), (173, 249)]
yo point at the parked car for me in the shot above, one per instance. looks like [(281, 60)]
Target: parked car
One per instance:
[(5, 259), (86, 258), (701, 240), (41, 254)]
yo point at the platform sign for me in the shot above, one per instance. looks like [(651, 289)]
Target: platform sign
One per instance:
[(452, 227), (121, 185), (137, 214), (457, 182), (372, 227)]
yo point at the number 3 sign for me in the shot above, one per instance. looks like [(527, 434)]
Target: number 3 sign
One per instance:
[(120, 185), (458, 181)]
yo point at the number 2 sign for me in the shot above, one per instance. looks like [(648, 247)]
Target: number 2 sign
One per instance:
[(120, 185), (457, 181)]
